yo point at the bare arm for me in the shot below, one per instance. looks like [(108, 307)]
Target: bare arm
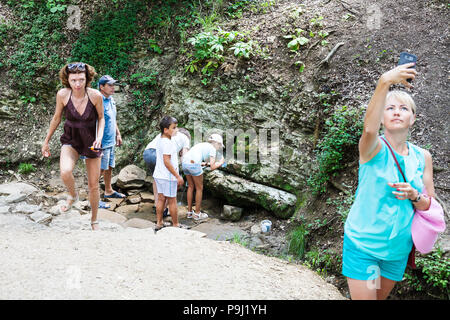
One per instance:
[(213, 164), (97, 100), (118, 136), (369, 144), (54, 123), (169, 166)]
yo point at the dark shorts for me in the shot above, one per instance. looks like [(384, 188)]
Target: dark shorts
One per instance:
[(150, 159)]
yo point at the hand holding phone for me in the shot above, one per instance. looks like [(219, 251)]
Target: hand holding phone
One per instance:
[(406, 57)]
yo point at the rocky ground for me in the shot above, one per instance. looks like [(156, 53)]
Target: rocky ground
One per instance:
[(47, 255)]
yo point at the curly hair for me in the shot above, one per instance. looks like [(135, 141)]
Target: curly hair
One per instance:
[(64, 74)]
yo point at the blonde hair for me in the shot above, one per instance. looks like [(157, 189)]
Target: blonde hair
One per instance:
[(64, 74), (402, 97)]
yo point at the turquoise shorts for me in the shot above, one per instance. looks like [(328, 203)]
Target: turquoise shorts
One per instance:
[(359, 265), (192, 169)]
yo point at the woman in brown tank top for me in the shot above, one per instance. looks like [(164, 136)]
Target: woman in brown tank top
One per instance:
[(83, 130)]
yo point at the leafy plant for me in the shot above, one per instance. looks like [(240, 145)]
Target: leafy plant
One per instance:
[(153, 45), (297, 40), (243, 49), (26, 168), (321, 261), (56, 5), (209, 48), (432, 274), (342, 132)]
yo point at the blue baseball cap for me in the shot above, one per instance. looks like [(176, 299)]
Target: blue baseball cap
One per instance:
[(106, 79)]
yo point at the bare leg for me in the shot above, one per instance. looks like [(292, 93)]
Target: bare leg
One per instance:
[(107, 175), (173, 208), (93, 173), (155, 191), (198, 181), (386, 287), (67, 161), (362, 289), (190, 191), (160, 209)]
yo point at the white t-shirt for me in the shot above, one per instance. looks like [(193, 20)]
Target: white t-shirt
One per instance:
[(180, 139), (199, 153), (165, 146)]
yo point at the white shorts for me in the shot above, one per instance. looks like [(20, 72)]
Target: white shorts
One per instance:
[(166, 187)]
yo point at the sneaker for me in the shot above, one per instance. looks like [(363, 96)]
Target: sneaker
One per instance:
[(200, 216), (189, 214)]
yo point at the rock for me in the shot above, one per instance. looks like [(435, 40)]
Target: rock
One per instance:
[(255, 229), (116, 201), (25, 208), (4, 209), (13, 188), (243, 192), (131, 177), (147, 197), (219, 232), (41, 217), (104, 214), (127, 209), (15, 197), (231, 213), (134, 199), (54, 211), (138, 223)]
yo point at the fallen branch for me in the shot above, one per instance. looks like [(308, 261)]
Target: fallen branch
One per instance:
[(349, 8), (331, 54)]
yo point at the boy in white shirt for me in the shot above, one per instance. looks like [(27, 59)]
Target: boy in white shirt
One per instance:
[(182, 139), (166, 173)]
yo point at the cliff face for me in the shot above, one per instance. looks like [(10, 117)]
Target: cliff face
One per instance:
[(284, 90)]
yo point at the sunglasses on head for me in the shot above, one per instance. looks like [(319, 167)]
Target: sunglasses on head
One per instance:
[(76, 66)]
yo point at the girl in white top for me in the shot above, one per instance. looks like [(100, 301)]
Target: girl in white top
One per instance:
[(192, 168)]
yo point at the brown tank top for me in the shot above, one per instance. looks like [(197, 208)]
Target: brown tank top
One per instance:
[(80, 130)]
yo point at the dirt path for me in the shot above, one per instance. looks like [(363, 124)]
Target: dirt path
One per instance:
[(68, 261)]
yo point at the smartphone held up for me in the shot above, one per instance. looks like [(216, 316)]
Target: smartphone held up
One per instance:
[(406, 57)]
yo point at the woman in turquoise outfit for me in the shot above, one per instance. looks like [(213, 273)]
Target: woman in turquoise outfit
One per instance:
[(377, 232)]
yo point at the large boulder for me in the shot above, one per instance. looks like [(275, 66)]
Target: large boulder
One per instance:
[(131, 177), (242, 192)]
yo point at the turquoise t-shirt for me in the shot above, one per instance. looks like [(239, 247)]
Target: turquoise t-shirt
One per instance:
[(378, 223), (109, 134)]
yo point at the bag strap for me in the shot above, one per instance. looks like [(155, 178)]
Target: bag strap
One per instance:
[(395, 158)]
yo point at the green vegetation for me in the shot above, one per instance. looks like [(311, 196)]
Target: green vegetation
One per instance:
[(341, 135), (432, 275), (297, 241), (239, 239), (39, 28), (210, 49), (108, 40), (26, 168), (322, 261)]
